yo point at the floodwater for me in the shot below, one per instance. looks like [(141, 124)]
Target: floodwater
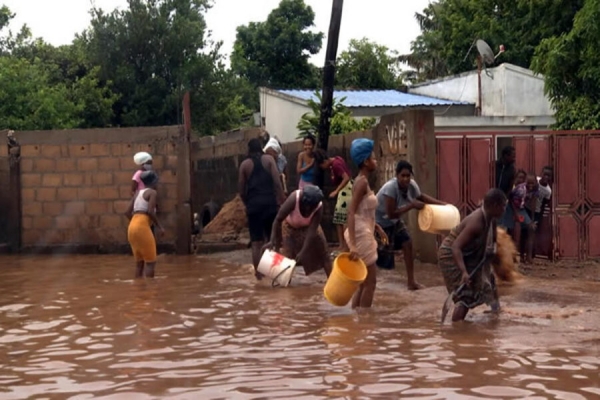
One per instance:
[(79, 327)]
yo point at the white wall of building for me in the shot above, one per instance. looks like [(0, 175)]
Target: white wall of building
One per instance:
[(281, 115), (507, 90)]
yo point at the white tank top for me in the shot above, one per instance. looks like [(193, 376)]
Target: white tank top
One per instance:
[(140, 204)]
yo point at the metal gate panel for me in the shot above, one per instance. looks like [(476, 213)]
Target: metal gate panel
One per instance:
[(592, 171), (593, 236), (569, 240), (541, 153), (479, 170), (450, 185), (523, 152), (568, 171)]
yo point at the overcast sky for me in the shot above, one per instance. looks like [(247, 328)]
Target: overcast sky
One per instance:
[(388, 22)]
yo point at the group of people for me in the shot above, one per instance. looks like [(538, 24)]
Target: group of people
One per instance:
[(368, 224), (528, 196)]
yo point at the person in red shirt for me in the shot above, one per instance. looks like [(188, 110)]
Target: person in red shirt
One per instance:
[(341, 178)]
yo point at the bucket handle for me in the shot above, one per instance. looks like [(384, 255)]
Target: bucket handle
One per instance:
[(274, 283)]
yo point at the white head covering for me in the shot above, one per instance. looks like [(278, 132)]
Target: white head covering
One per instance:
[(142, 158), (273, 144)]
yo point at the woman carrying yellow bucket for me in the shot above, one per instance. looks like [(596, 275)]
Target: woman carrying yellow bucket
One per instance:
[(360, 234)]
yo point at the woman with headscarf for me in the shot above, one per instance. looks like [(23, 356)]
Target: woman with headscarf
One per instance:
[(273, 148), (297, 230), (144, 162), (360, 234), (142, 214)]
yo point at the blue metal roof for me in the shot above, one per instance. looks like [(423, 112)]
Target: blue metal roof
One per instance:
[(376, 98)]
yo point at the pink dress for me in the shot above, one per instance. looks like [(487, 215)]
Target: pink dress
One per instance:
[(364, 230)]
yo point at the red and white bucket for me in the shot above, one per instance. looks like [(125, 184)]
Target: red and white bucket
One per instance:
[(277, 267)]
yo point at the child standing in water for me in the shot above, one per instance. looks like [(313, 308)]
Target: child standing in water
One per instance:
[(360, 234), (305, 165), (142, 214)]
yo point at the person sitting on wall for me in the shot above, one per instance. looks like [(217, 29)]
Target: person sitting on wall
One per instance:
[(142, 215), (341, 178), (260, 188), (506, 171), (298, 233), (273, 148), (395, 198)]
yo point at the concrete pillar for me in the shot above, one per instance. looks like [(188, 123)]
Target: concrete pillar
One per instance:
[(410, 135), (422, 154)]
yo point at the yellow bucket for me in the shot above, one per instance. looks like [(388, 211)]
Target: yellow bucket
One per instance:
[(345, 278)]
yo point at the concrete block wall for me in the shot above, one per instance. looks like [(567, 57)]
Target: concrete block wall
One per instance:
[(76, 185), (216, 162)]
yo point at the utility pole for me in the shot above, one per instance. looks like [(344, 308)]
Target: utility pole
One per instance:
[(329, 73)]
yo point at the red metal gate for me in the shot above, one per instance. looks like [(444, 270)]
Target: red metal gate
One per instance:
[(466, 172), (577, 199)]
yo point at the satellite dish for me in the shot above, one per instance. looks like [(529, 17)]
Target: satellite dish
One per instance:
[(485, 51)]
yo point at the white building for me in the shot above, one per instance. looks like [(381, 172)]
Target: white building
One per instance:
[(281, 110), (511, 98)]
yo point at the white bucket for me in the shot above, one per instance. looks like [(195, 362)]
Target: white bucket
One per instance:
[(276, 267), (436, 219)]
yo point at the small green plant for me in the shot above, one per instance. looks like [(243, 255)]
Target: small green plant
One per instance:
[(341, 119)]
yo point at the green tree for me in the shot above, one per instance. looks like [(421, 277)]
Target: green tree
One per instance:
[(450, 27), (149, 51), (570, 63), (28, 101), (341, 119), (367, 65), (275, 52)]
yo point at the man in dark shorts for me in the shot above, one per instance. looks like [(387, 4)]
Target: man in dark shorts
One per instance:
[(396, 197), (260, 189)]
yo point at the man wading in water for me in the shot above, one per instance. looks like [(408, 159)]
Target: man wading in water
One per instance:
[(260, 189)]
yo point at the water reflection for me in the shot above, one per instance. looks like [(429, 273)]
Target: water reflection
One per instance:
[(81, 328)]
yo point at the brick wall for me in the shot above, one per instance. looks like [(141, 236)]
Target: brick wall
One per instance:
[(76, 184), (216, 162), (5, 208)]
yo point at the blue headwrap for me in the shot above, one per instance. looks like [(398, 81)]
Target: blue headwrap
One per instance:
[(361, 149)]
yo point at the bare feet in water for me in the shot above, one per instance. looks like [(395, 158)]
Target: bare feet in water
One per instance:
[(415, 286)]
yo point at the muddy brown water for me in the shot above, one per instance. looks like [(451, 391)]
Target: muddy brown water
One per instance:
[(80, 328)]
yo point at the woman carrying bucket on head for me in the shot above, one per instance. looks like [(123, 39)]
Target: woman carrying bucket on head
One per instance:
[(360, 234), (297, 230)]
